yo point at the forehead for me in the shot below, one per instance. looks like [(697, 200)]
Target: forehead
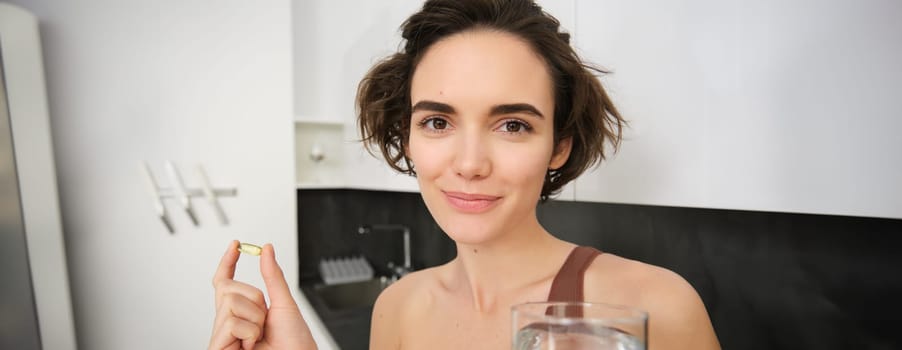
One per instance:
[(483, 67)]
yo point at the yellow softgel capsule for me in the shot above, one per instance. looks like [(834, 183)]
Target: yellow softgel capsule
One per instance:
[(251, 249)]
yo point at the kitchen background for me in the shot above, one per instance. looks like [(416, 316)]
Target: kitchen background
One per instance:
[(769, 280), (761, 163)]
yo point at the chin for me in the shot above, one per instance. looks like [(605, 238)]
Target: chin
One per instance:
[(473, 238), (469, 233)]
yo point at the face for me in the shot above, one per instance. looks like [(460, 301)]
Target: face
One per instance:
[(481, 135)]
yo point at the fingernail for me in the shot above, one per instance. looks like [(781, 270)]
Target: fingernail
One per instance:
[(231, 244)]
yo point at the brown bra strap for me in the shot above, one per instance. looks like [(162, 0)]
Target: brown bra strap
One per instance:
[(568, 284)]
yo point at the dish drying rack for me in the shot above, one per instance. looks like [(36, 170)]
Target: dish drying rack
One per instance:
[(345, 270)]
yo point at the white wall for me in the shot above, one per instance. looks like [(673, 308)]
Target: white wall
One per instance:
[(786, 106), (189, 81)]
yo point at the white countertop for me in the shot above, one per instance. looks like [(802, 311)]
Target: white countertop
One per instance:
[(324, 340)]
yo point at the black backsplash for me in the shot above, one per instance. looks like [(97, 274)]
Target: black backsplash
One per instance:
[(328, 222), (769, 280)]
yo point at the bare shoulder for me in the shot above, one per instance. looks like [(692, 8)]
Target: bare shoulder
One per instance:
[(408, 288), (677, 316), (391, 312)]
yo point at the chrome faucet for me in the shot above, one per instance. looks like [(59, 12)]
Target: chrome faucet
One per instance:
[(399, 271)]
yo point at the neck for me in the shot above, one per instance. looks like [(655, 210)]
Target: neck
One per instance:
[(508, 267)]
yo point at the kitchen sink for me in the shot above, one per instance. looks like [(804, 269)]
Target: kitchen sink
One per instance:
[(345, 296)]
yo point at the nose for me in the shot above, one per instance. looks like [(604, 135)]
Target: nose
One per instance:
[(472, 160)]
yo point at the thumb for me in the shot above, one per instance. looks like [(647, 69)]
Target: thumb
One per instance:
[(276, 286)]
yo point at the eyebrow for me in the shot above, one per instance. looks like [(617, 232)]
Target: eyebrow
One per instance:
[(510, 108), (433, 106), (516, 108)]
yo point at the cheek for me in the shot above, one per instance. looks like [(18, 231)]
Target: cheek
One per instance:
[(528, 165), (426, 160)]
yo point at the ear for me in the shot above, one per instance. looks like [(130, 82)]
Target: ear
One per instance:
[(561, 154)]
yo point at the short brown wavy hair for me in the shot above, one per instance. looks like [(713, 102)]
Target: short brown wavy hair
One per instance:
[(583, 112)]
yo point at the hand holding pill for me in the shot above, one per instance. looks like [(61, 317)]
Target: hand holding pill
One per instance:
[(243, 320)]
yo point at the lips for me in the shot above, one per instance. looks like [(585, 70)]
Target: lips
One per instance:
[(471, 202)]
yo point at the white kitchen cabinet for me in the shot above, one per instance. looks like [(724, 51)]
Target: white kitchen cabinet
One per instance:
[(193, 82), (765, 105), (35, 296), (333, 49), (319, 154)]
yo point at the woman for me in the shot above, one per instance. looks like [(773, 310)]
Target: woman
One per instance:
[(492, 111)]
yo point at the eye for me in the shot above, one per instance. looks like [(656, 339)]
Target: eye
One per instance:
[(434, 123), (515, 126)]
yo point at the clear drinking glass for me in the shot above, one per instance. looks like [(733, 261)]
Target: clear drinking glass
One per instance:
[(578, 325)]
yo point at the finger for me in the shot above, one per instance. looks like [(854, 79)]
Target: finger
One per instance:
[(227, 287), (234, 330), (235, 305), (226, 269), (248, 344), (235, 345), (276, 287)]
